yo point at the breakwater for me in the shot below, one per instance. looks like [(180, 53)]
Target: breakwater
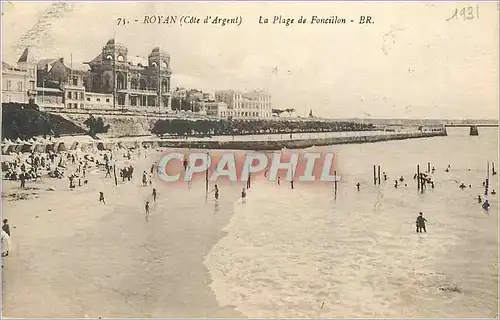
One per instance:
[(293, 144)]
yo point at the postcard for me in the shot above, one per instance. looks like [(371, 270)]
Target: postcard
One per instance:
[(249, 159)]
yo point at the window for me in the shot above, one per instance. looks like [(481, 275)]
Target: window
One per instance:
[(120, 58), (19, 86), (88, 99), (81, 95), (98, 100), (9, 85), (107, 100), (69, 94), (32, 85), (75, 81)]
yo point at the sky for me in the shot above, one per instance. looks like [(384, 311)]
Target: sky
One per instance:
[(413, 61)]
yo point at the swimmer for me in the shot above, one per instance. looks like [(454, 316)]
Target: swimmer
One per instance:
[(421, 223), (486, 205)]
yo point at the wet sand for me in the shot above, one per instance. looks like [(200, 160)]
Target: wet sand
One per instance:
[(72, 256)]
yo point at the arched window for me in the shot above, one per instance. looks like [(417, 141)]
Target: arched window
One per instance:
[(164, 64), (164, 85), (154, 64), (134, 84), (120, 58), (120, 81), (109, 57), (142, 84)]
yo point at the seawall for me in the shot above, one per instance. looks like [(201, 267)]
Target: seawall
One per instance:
[(293, 144)]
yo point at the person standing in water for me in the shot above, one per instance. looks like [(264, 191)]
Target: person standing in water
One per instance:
[(279, 181), (358, 185), (421, 223), (243, 195), (101, 197), (154, 194), (486, 205), (479, 200), (216, 189), (146, 207)]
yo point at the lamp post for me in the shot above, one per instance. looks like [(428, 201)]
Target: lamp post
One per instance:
[(43, 90)]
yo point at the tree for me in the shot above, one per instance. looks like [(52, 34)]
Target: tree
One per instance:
[(96, 125)]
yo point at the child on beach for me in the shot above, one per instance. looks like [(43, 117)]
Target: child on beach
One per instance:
[(147, 210)]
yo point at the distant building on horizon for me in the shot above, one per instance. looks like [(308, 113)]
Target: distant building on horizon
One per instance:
[(252, 104)]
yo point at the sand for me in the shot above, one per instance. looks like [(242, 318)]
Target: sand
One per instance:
[(75, 257)]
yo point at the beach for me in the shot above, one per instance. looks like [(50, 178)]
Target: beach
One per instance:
[(283, 253), (72, 256)]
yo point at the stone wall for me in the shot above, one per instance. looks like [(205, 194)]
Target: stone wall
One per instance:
[(120, 126)]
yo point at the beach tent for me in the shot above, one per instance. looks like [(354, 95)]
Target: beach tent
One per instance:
[(61, 146), (50, 147), (39, 147), (74, 145), (108, 146), (19, 141), (6, 147), (129, 144), (26, 147), (154, 144)]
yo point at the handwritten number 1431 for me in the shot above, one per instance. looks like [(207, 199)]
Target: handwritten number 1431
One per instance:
[(465, 13)]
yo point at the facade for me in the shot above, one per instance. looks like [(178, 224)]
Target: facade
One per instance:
[(19, 81), (136, 83), (98, 100), (255, 104), (213, 108), (60, 85)]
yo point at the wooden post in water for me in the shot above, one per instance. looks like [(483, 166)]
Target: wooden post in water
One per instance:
[(378, 175), (335, 183), (206, 175), (374, 175), (418, 177)]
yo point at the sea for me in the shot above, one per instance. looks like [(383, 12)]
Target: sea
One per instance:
[(311, 252)]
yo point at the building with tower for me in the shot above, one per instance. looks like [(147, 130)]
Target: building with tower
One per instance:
[(134, 82)]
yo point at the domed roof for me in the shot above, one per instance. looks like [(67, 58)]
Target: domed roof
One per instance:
[(157, 50), (113, 42)]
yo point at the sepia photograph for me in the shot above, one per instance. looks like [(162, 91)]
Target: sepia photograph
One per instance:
[(238, 159)]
